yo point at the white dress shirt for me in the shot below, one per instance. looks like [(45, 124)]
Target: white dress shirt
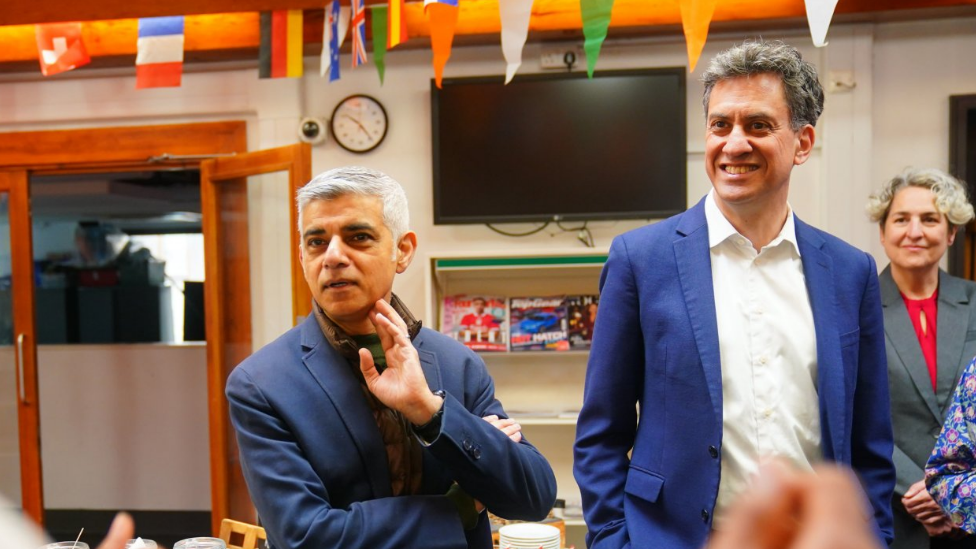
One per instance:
[(768, 351)]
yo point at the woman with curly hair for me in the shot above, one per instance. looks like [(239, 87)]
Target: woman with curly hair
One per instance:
[(930, 336)]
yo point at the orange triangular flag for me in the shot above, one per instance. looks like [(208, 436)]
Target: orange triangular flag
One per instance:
[(696, 15), (443, 19)]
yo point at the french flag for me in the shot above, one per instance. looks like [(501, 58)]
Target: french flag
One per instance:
[(159, 62)]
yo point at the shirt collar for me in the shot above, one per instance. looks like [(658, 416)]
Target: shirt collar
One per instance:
[(720, 230), (344, 343)]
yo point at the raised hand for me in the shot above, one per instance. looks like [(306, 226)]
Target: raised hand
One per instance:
[(402, 386)]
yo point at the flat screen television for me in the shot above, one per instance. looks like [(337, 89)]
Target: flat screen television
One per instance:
[(560, 147)]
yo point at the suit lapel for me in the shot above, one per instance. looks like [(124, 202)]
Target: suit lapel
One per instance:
[(433, 469), (335, 376), (951, 329), (695, 276), (832, 393), (901, 336)]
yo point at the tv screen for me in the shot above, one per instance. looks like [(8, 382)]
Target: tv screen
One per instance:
[(560, 147)]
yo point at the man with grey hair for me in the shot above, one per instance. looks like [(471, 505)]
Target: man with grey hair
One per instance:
[(733, 332), (360, 429)]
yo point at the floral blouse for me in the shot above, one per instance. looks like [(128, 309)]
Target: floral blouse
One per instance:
[(950, 473)]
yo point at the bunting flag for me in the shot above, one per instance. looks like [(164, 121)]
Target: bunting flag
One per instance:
[(332, 21), (442, 16), (596, 20), (696, 16), (378, 17), (819, 14), (358, 33), (159, 61), (280, 53), (396, 28), (60, 47), (514, 15), (343, 27)]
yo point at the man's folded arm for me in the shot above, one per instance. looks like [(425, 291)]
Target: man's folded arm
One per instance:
[(295, 506), (512, 479)]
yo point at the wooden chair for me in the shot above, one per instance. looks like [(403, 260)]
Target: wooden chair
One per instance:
[(251, 533)]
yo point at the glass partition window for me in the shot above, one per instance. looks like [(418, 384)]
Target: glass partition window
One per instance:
[(9, 440), (118, 257)]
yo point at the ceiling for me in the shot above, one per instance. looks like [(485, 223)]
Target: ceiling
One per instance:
[(221, 30)]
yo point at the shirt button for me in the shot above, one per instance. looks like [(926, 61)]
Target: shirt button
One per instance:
[(705, 515), (767, 413), (713, 451), (763, 360)]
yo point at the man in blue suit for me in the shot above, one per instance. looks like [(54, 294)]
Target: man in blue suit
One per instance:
[(733, 332), (360, 429)]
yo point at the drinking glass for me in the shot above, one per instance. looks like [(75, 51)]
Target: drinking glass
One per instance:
[(200, 543), (66, 545)]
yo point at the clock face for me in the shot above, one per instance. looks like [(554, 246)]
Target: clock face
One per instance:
[(359, 123)]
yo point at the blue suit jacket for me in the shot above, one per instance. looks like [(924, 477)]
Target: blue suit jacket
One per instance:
[(316, 466), (656, 344)]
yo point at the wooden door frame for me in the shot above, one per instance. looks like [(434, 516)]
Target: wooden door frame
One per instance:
[(962, 254), (15, 184), (223, 189), (109, 149)]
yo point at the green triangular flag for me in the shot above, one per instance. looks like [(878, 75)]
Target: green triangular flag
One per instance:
[(596, 20), (379, 39)]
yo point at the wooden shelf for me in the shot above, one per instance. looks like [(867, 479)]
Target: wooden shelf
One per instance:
[(544, 420), (518, 262)]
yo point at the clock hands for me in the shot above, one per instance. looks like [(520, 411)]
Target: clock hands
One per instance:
[(360, 124)]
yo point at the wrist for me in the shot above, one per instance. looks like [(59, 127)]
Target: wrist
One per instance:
[(423, 411)]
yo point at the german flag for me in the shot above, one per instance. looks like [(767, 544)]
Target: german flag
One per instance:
[(280, 53), (397, 24)]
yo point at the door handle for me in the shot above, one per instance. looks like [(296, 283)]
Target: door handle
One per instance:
[(20, 369)]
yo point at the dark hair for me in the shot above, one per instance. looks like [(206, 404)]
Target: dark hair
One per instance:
[(804, 94)]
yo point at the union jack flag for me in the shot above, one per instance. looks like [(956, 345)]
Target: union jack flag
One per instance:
[(358, 24)]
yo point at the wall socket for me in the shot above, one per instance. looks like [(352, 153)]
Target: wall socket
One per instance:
[(554, 57)]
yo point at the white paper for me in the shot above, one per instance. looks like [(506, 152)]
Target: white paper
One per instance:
[(515, 15), (819, 14)]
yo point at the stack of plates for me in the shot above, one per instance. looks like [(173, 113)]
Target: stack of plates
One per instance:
[(528, 535)]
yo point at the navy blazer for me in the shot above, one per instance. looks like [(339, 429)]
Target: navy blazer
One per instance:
[(316, 466), (656, 344)]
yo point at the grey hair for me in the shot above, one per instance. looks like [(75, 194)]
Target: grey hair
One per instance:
[(804, 94), (360, 181), (950, 195)]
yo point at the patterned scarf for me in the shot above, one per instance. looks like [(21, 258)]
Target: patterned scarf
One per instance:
[(403, 452)]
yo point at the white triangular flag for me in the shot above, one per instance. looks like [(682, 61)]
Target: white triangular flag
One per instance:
[(819, 13), (345, 13), (515, 16)]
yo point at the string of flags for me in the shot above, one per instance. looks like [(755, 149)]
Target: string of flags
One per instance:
[(160, 43)]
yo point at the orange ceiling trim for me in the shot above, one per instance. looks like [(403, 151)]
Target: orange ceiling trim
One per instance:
[(239, 30), (118, 37)]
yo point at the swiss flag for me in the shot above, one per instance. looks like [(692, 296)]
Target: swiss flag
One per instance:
[(60, 47)]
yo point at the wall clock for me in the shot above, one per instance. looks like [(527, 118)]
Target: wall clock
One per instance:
[(359, 123)]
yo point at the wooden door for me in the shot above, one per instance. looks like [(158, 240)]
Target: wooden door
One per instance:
[(223, 187), (17, 254)]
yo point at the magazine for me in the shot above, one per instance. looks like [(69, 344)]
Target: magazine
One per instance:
[(538, 323), (480, 322), (581, 311)]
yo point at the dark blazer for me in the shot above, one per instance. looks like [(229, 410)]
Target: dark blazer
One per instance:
[(316, 466), (656, 345), (917, 411)]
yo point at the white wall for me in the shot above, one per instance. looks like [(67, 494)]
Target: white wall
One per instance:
[(896, 115), (122, 427)]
